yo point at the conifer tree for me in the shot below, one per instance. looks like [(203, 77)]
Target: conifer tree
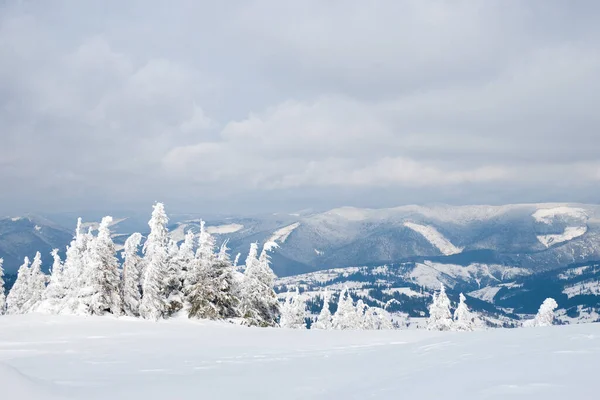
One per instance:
[(55, 291), (2, 294), (293, 312), (174, 279), (153, 305), (213, 296), (260, 306), (101, 292), (345, 317), (377, 318), (74, 270), (19, 294), (362, 320), (324, 318), (545, 315), (440, 318), (252, 258), (464, 319), (36, 285), (130, 281)]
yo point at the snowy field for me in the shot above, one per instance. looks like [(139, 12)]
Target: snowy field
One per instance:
[(56, 357)]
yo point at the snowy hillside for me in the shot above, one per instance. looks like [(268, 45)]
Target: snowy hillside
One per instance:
[(50, 358), (533, 236)]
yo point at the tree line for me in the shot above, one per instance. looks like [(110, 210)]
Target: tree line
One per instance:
[(195, 277)]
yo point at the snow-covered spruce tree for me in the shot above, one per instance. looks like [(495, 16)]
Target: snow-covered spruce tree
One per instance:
[(198, 268), (74, 270), (153, 305), (260, 306), (2, 294), (464, 319), (362, 320), (213, 297), (130, 276), (174, 279), (345, 317), (101, 292), (293, 312), (545, 315), (55, 291), (377, 318), (19, 294), (224, 252), (252, 258), (440, 318), (324, 319), (37, 284)]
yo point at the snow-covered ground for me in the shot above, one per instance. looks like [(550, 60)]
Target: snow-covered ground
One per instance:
[(282, 234), (435, 238), (570, 233), (52, 357)]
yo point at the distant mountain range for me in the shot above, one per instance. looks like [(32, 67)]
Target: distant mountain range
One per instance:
[(535, 237)]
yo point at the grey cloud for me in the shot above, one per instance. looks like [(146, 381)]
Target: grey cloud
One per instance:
[(245, 106)]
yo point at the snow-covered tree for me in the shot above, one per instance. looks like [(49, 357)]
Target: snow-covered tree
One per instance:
[(20, 293), (73, 275), (174, 279), (2, 294), (376, 318), (214, 297), (324, 319), (153, 305), (464, 319), (130, 276), (293, 312), (223, 252), (440, 317), (101, 290), (362, 321), (252, 258), (36, 285), (55, 291), (346, 316), (206, 246), (545, 315), (260, 306)]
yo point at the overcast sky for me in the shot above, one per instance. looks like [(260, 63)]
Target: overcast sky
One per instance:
[(252, 106)]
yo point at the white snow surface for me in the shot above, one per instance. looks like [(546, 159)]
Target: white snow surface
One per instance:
[(486, 294), (282, 234), (224, 229), (435, 238), (61, 357), (590, 287), (547, 215), (570, 233)]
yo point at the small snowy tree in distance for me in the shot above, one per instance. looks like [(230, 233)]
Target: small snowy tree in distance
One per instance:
[(153, 305), (545, 315), (2, 295), (464, 320), (130, 281), (324, 318), (293, 312), (345, 317), (440, 317), (19, 294)]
